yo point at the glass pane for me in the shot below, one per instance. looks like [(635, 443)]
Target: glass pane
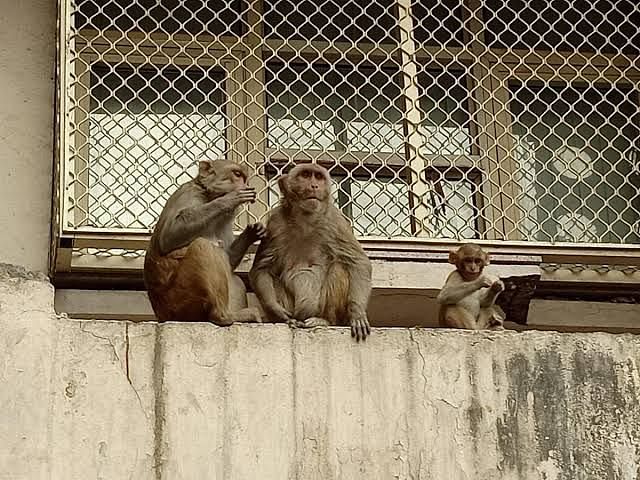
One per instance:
[(444, 101), (602, 25), (169, 16), (458, 220), (438, 23), (377, 206), (315, 107), (577, 154), (143, 140), (332, 21)]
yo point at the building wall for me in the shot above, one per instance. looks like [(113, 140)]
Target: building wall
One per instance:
[(119, 400), (27, 61), (188, 401)]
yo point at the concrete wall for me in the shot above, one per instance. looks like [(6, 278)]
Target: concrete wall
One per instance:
[(113, 400), (27, 60)]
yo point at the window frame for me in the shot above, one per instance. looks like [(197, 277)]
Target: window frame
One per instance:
[(489, 71)]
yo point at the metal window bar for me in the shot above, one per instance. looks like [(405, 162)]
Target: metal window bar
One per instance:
[(459, 119)]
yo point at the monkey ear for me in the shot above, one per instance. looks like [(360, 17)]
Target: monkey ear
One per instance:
[(283, 182), (487, 260), (205, 167), (453, 258)]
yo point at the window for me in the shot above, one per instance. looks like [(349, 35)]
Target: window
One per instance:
[(376, 207), (498, 121), (454, 210), (444, 102), (147, 125), (336, 108), (579, 145)]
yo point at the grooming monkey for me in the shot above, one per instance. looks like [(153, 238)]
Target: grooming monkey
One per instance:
[(468, 296), (309, 269), (188, 269)]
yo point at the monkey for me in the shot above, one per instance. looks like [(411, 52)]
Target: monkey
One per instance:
[(467, 298), (309, 269), (189, 264)]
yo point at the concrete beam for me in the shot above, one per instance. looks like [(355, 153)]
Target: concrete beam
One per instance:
[(96, 399)]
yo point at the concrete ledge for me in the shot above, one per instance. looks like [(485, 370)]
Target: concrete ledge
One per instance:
[(98, 399), (387, 308), (404, 294)]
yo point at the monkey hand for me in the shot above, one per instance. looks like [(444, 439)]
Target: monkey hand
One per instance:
[(497, 286), (240, 196), (486, 281), (278, 313), (360, 327), (255, 231)]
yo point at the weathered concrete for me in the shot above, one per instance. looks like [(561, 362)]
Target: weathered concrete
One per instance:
[(27, 60), (72, 408), (188, 401)]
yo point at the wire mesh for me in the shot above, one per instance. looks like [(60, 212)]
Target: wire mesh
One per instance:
[(463, 119)]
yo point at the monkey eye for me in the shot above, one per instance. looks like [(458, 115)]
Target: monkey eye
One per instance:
[(305, 174), (237, 173), (319, 176)]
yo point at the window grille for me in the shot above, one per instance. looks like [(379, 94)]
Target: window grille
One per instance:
[(498, 121)]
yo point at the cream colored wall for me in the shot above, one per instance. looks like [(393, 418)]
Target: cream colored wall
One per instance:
[(116, 400), (27, 60)]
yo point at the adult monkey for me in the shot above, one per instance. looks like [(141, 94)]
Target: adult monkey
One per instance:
[(192, 254), (309, 269), (468, 296)]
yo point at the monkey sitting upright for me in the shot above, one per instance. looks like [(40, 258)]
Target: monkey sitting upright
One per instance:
[(309, 269), (467, 298), (192, 254)]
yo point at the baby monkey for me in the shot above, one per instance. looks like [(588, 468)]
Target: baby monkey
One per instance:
[(468, 296)]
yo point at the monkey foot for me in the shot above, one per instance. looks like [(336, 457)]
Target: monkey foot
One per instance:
[(247, 315)]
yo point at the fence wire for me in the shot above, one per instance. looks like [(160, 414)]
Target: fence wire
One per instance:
[(460, 119)]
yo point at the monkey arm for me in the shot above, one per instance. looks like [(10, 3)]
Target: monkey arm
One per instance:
[(262, 282), (263, 285), (238, 248), (186, 222), (455, 290), (351, 254), (359, 286), (489, 297), (358, 297)]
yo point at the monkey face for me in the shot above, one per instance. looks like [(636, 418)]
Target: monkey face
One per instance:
[(470, 260), (307, 187), (471, 267), (219, 177)]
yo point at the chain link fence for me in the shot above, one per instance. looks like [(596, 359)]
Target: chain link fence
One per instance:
[(456, 119)]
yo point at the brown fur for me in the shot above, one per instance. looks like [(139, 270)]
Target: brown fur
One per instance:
[(190, 284), (189, 264), (467, 298), (310, 270)]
